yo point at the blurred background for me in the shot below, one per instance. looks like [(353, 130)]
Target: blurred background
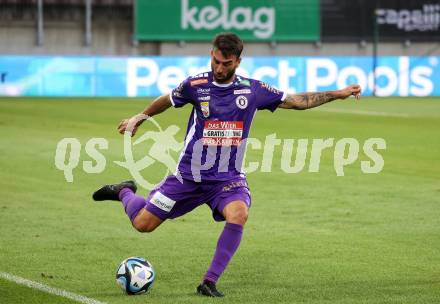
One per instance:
[(145, 48), (312, 237)]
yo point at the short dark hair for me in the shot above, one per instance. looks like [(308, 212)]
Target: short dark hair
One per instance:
[(228, 43)]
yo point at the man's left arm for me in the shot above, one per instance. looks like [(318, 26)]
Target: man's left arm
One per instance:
[(304, 101)]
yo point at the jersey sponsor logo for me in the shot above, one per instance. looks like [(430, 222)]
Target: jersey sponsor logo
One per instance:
[(162, 202), (203, 91), (204, 98), (241, 102), (245, 82), (243, 91), (204, 106), (222, 133), (269, 88), (200, 75), (198, 81)]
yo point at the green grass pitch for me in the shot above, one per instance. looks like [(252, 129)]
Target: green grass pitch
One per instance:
[(310, 238)]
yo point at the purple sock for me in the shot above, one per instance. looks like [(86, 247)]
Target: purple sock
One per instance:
[(227, 244), (132, 203)]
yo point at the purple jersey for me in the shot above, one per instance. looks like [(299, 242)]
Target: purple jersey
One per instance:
[(219, 124)]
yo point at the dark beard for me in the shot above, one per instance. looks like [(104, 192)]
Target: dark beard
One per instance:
[(226, 79)]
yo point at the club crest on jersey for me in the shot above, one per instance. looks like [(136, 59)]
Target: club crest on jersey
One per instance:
[(204, 106), (241, 102)]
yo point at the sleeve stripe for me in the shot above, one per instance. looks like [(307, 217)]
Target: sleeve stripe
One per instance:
[(284, 96), (171, 99)]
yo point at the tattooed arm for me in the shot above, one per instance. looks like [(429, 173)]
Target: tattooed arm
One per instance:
[(304, 101)]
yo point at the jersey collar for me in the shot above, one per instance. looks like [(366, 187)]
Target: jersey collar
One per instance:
[(224, 85)]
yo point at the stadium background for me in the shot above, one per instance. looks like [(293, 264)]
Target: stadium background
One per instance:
[(151, 40), (311, 237)]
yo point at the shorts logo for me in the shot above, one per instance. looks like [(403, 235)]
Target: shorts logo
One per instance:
[(241, 102), (236, 184), (243, 91), (204, 106), (162, 202), (199, 81)]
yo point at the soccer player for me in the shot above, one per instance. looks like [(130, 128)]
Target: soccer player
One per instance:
[(223, 107)]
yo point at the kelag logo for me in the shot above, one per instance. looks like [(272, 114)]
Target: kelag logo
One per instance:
[(260, 21), (253, 20)]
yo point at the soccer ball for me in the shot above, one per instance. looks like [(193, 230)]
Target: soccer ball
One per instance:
[(135, 275)]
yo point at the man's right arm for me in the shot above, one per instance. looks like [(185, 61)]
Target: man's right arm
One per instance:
[(158, 106), (308, 100)]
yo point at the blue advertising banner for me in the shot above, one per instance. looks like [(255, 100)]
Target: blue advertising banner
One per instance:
[(153, 76)]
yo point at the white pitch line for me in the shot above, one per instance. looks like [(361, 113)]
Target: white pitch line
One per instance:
[(48, 289), (362, 112)]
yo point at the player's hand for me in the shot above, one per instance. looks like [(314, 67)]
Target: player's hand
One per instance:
[(353, 90), (131, 124)]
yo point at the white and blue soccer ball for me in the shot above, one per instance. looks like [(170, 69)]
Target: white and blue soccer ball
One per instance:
[(135, 275)]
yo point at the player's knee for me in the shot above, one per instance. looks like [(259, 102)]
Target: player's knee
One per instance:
[(144, 226), (146, 222), (239, 216)]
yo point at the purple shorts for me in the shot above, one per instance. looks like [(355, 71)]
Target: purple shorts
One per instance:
[(171, 198)]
